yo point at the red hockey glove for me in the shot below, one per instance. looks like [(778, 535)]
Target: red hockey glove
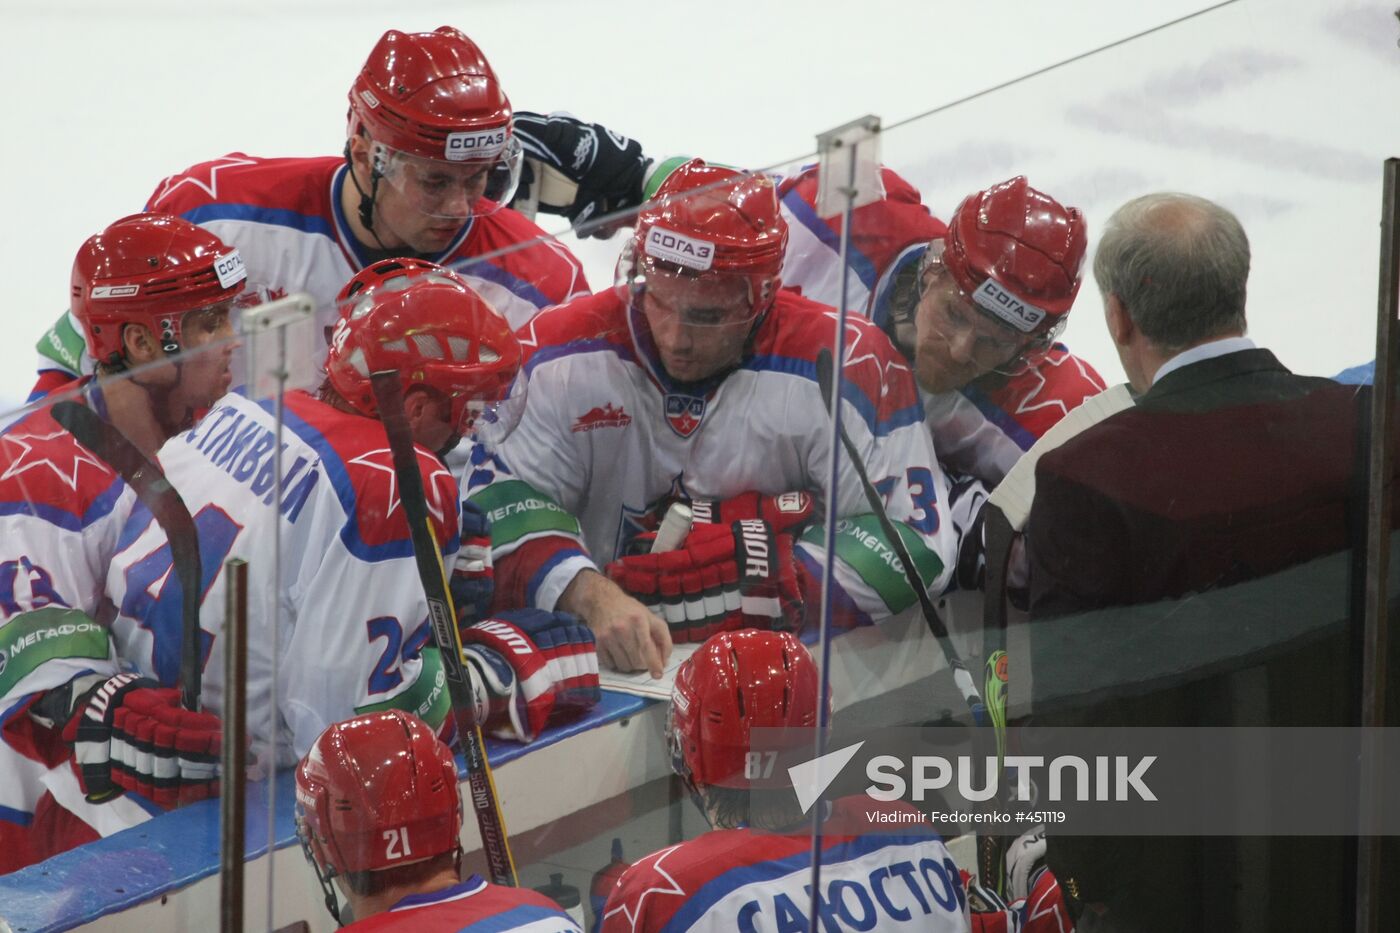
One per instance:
[(786, 513), (130, 733), (536, 666), (723, 577)]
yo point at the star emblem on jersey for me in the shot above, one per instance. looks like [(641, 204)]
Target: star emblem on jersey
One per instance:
[(58, 451), (209, 185), (381, 462), (684, 412), (631, 908)]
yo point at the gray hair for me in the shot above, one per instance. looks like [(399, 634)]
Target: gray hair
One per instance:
[(1178, 264)]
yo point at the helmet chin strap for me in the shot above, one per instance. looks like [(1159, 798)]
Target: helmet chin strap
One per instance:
[(160, 395), (367, 199), (323, 878)]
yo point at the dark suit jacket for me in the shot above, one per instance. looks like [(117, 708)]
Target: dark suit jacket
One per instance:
[(1227, 470)]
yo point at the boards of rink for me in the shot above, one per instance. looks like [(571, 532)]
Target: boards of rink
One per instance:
[(163, 875)]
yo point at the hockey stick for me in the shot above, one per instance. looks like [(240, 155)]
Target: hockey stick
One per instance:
[(966, 685), (998, 537), (388, 393), (154, 490), (990, 846)]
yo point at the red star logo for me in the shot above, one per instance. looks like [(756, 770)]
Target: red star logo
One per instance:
[(437, 489), (658, 883), (58, 451), (209, 184)]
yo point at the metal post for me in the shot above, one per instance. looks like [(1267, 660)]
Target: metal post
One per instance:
[(1373, 672), (838, 146), (235, 743)]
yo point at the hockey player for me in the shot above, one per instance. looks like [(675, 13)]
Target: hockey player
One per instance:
[(987, 400), (379, 813), (429, 162), (753, 870), (347, 577), (696, 379), (994, 381), (155, 292)]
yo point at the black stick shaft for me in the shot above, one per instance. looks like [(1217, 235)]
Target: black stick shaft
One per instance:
[(155, 491), (935, 622), (388, 394)]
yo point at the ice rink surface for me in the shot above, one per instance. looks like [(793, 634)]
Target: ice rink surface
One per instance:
[(1283, 110)]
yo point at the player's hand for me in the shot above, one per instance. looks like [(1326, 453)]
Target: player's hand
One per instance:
[(129, 733), (473, 578), (536, 666), (723, 577), (581, 170), (785, 513), (629, 636)]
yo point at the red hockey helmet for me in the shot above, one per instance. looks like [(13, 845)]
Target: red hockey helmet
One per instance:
[(737, 682), (377, 791), (1017, 253), (423, 321), (429, 101), (710, 221), (149, 269)]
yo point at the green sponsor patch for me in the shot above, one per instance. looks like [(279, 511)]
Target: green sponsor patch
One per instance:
[(32, 638), (516, 511), (864, 548), (426, 698), (63, 344)]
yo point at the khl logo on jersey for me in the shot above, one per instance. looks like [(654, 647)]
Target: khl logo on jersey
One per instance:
[(683, 413)]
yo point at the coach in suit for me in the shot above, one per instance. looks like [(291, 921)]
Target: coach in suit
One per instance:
[(1229, 468)]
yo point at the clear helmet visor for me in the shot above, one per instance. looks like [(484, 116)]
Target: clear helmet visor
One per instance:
[(452, 190), (702, 299)]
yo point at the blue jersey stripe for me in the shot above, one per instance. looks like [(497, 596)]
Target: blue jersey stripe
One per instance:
[(574, 347), (538, 579), (806, 215), (516, 917), (11, 815), (339, 476), (1000, 417), (850, 392), (272, 216), (483, 269)]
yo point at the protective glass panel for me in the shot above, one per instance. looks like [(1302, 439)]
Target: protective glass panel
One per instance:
[(553, 468)]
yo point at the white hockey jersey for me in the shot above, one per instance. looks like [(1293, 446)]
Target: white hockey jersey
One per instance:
[(981, 429), (743, 881), (61, 511), (285, 218), (353, 627), (612, 438)]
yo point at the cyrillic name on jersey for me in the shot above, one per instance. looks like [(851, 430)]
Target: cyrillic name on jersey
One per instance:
[(244, 451), (896, 892)]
